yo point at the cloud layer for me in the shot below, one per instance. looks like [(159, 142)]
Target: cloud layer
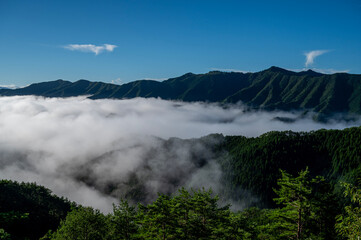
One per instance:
[(95, 151), (11, 86), (91, 48), (310, 56)]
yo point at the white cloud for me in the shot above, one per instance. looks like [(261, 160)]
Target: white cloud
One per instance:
[(117, 81), (91, 48), (11, 86), (310, 56), (329, 70), (81, 148)]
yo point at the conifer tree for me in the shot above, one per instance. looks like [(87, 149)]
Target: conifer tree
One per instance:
[(83, 223), (294, 194), (123, 221), (349, 224)]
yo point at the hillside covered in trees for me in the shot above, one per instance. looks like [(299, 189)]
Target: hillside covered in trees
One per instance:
[(306, 209), (28, 210), (297, 181), (254, 163), (273, 88)]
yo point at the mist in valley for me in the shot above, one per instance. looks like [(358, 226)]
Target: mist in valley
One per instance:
[(97, 151)]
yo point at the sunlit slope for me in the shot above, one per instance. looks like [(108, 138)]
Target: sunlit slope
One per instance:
[(274, 88)]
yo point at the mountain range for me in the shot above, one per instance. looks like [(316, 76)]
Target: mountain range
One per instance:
[(271, 89)]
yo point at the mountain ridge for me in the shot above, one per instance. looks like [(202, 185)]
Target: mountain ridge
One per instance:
[(271, 89)]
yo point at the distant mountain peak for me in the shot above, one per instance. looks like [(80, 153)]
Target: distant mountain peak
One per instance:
[(276, 69), (188, 74), (214, 71), (83, 81), (310, 72), (273, 88)]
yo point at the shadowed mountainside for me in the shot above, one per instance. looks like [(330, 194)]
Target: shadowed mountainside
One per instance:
[(271, 89)]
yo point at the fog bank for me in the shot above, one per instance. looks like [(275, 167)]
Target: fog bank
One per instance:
[(95, 151)]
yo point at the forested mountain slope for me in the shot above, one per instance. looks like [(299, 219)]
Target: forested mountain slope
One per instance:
[(253, 163), (274, 88), (29, 210), (249, 165)]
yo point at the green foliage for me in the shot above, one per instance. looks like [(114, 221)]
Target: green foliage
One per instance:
[(349, 224), (81, 224), (325, 206), (194, 215), (303, 214), (158, 220), (279, 224), (253, 163), (31, 208), (187, 215), (4, 235), (197, 215), (294, 194), (123, 221)]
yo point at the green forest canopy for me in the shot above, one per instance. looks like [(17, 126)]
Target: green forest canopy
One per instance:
[(313, 163)]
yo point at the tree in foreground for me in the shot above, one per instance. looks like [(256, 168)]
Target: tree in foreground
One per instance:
[(4, 235), (188, 215), (302, 211), (123, 221), (28, 210), (83, 223), (196, 214), (294, 194), (349, 224)]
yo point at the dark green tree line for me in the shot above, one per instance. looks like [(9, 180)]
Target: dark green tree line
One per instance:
[(301, 214)]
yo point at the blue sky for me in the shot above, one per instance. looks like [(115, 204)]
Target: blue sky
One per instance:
[(48, 40)]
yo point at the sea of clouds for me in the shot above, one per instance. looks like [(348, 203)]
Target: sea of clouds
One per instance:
[(96, 151)]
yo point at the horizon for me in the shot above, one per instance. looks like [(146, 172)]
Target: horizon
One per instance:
[(165, 79), (119, 42)]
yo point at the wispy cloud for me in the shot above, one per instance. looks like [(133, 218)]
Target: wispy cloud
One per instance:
[(310, 56), (117, 81), (12, 86), (330, 70), (91, 48)]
